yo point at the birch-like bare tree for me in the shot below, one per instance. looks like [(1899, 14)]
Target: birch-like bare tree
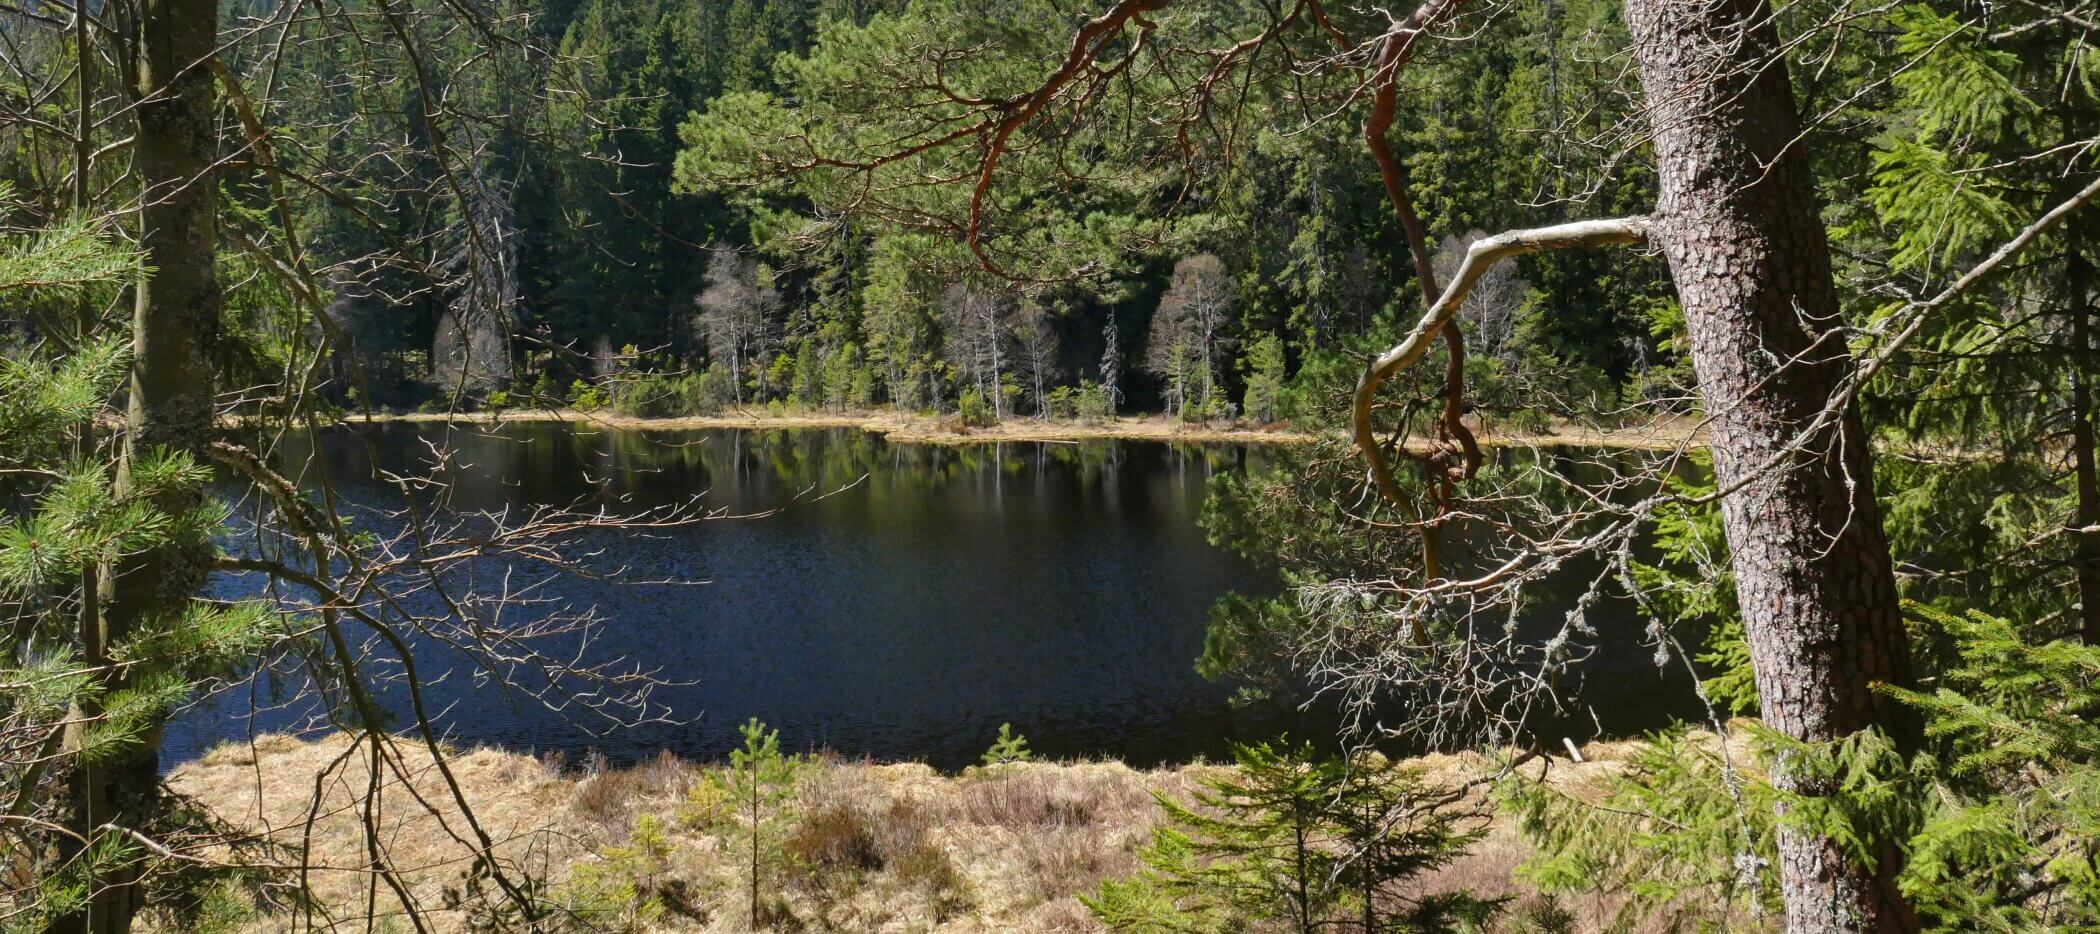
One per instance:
[(1035, 346), (977, 327), (1736, 218), (737, 311), (1188, 346)]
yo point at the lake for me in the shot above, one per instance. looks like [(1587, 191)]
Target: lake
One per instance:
[(905, 601)]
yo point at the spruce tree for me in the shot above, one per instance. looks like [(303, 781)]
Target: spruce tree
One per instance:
[(1290, 838)]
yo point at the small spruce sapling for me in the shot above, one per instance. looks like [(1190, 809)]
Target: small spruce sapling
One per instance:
[(624, 891), (1009, 748), (1291, 839), (761, 782)]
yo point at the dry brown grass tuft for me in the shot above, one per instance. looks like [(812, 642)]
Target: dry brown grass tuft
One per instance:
[(607, 800), (872, 847)]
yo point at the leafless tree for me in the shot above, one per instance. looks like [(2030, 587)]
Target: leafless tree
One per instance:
[(472, 347), (977, 325), (1112, 361), (1491, 309), (737, 311), (1035, 346), (1188, 342)]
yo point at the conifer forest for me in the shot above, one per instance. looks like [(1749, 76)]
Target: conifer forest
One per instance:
[(1049, 465)]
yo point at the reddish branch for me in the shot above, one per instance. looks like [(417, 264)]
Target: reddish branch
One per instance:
[(1087, 45), (1456, 440), (1456, 456)]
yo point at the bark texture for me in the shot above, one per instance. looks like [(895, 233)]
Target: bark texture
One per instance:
[(1737, 220), (2086, 469), (175, 332), (2085, 519)]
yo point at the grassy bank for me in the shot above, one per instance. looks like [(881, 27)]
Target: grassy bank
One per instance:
[(929, 429), (868, 847)]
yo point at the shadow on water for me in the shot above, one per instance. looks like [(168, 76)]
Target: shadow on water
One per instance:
[(937, 593)]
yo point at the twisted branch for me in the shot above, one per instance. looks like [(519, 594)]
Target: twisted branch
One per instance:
[(1480, 257)]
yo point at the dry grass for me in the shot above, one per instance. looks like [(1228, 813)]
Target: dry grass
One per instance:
[(1665, 434), (901, 427), (873, 847)]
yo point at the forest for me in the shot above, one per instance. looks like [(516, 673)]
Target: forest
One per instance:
[(1745, 346), (633, 257)]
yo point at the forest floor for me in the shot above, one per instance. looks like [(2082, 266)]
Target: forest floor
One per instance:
[(1663, 434), (870, 847)]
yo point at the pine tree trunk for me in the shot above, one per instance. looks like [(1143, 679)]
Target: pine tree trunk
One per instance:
[(2085, 472), (1737, 220), (174, 343)]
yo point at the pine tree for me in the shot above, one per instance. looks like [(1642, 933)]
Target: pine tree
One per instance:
[(760, 784), (1291, 838), (80, 519), (1998, 828), (1009, 748)]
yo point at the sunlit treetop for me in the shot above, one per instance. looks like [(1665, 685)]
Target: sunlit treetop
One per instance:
[(1060, 139)]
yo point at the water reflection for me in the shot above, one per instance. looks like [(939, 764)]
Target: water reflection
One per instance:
[(908, 599)]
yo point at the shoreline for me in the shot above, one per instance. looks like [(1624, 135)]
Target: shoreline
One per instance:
[(1669, 434)]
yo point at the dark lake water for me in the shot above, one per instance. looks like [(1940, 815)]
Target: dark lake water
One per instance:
[(934, 594), (937, 593)]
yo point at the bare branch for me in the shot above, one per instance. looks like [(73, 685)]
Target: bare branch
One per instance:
[(1479, 258)]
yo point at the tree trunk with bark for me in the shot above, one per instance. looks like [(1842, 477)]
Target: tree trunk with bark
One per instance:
[(175, 329), (2085, 466), (1738, 221)]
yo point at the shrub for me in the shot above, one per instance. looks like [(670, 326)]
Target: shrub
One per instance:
[(647, 395), (706, 806), (584, 397), (975, 411), (543, 391), (837, 838), (716, 388), (846, 833), (1062, 402), (620, 890), (1009, 748), (1088, 402), (1096, 403), (1998, 831)]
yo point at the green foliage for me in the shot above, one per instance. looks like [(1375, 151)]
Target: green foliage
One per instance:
[(1997, 824), (1693, 587), (974, 411), (1087, 402), (654, 395), (1686, 832), (42, 398), (1265, 379), (1960, 85), (758, 789), (620, 890), (2011, 834), (1009, 748), (75, 516), (1935, 201), (585, 397), (1292, 839), (63, 260)]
